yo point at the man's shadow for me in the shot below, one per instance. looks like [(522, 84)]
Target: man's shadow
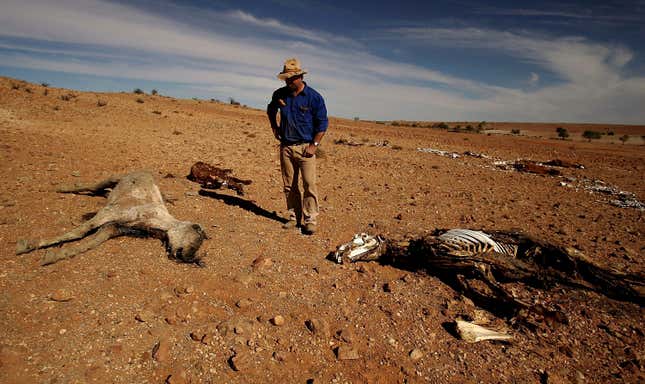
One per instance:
[(244, 204)]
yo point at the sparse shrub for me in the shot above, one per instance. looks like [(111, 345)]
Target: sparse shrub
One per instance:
[(101, 103), (482, 125), (443, 125), (470, 128), (46, 92), (232, 101), (56, 108), (357, 118), (591, 135), (15, 86), (624, 138), (157, 112), (154, 92), (45, 84), (138, 91), (562, 132), (610, 133), (380, 122), (395, 124), (28, 90), (515, 131), (66, 97), (140, 101)]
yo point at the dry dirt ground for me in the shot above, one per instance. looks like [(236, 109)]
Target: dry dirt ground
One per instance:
[(125, 313)]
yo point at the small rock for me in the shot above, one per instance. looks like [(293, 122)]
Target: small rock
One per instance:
[(243, 303), (318, 327), (345, 352), (61, 295), (262, 263), (145, 316), (416, 354), (277, 320), (345, 335), (279, 356), (240, 361), (76, 173), (171, 319), (161, 351), (197, 336)]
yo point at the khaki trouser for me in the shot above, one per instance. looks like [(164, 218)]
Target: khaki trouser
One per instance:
[(293, 163)]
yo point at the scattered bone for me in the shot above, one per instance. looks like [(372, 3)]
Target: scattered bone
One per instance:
[(212, 177), (134, 207), (473, 333), (452, 155)]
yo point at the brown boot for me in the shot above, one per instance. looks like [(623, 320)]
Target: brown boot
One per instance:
[(309, 229)]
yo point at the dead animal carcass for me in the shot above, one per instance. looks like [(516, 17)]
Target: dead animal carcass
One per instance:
[(134, 207), (212, 177), (462, 255)]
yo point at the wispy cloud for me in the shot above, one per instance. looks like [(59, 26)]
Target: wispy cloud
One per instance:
[(209, 54)]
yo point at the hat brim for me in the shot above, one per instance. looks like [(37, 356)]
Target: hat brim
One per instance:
[(286, 75)]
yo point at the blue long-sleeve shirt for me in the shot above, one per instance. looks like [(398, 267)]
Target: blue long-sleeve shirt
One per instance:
[(301, 116)]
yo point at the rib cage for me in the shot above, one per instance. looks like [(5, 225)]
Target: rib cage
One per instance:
[(466, 242)]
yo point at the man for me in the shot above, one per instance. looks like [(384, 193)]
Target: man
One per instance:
[(303, 122)]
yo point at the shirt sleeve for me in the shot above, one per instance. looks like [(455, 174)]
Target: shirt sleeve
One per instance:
[(273, 106), (320, 121)]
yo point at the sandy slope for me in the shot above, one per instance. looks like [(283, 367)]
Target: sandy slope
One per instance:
[(394, 190)]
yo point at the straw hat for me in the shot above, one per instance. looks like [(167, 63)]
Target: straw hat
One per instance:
[(291, 68)]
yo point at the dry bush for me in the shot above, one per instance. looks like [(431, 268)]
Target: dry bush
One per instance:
[(101, 103), (138, 91)]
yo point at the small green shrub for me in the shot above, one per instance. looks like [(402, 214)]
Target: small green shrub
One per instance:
[(591, 135), (154, 92), (138, 91), (562, 132)]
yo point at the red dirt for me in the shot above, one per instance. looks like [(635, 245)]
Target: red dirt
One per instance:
[(125, 313)]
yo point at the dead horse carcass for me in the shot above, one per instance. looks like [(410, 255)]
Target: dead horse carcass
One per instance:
[(134, 207), (463, 254)]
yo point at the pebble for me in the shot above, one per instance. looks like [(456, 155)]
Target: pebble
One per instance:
[(161, 351), (318, 327), (345, 352), (61, 295), (240, 361), (145, 316), (243, 303), (416, 354), (279, 356), (262, 263), (277, 320)]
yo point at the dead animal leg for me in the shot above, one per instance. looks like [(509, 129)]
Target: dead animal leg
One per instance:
[(26, 246), (110, 182), (103, 234), (485, 274)]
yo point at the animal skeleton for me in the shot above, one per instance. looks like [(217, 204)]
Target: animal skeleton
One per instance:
[(500, 255), (134, 207)]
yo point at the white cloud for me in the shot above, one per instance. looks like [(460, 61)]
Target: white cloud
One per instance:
[(107, 39)]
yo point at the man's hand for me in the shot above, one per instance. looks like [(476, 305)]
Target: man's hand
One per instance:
[(275, 133), (310, 151)]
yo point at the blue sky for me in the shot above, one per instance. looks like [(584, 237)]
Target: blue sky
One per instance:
[(560, 61)]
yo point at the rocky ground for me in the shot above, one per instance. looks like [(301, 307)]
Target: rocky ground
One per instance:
[(268, 306)]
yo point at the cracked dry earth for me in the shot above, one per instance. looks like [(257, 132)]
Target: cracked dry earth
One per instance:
[(268, 306)]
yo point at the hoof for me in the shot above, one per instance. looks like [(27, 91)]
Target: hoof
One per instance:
[(24, 246), (50, 258)]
